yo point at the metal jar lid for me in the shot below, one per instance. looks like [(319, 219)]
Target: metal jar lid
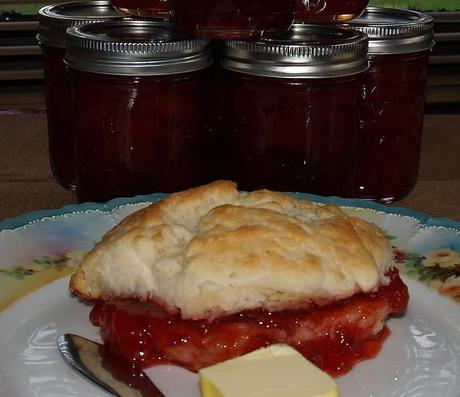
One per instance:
[(55, 19), (306, 51), (394, 31), (134, 48)]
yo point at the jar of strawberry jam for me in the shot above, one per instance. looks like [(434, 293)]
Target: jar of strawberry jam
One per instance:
[(232, 19), (138, 108), (392, 101), (328, 11), (144, 8), (291, 113), (53, 22)]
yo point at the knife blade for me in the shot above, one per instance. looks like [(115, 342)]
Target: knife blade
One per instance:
[(92, 360)]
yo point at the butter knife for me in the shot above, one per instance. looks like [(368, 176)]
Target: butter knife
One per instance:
[(111, 373)]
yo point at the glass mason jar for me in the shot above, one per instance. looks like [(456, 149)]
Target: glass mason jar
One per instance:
[(144, 8), (138, 108), (392, 102), (232, 19), (53, 22), (291, 109), (328, 11)]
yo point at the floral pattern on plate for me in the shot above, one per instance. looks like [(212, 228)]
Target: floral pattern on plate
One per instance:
[(439, 269), (423, 250)]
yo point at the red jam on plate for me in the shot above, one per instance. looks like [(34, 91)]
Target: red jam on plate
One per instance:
[(334, 337)]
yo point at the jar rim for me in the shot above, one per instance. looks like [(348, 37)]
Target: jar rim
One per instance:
[(395, 31), (54, 19), (306, 51), (134, 48)]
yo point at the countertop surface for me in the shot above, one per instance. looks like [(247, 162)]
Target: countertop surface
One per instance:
[(27, 184)]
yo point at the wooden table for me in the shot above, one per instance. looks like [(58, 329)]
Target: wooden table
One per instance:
[(26, 182)]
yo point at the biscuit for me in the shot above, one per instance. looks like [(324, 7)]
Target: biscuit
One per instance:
[(212, 251)]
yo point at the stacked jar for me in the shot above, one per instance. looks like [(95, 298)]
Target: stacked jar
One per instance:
[(291, 99), (284, 112), (285, 105)]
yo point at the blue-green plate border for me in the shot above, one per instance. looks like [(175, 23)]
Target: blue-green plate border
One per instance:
[(34, 216)]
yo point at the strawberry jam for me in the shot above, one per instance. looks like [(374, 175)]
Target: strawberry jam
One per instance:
[(334, 337), (130, 375)]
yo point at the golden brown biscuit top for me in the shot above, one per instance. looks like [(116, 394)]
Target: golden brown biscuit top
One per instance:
[(212, 250)]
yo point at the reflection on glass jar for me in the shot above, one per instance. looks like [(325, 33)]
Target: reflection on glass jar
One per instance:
[(53, 22), (232, 19), (392, 102), (291, 110), (139, 109), (327, 11), (144, 8)]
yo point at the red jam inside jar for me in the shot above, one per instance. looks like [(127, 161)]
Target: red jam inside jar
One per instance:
[(59, 117), (291, 113), (328, 11), (144, 8), (334, 337), (137, 135), (392, 102), (292, 134), (232, 19), (391, 113), (139, 110), (53, 23)]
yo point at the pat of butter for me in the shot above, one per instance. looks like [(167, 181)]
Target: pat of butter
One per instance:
[(274, 371)]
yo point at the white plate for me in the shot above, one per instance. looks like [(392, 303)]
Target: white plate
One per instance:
[(420, 358)]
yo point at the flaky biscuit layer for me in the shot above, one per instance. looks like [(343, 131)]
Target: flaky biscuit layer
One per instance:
[(212, 250)]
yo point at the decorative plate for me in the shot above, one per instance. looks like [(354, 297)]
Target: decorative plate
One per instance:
[(420, 358)]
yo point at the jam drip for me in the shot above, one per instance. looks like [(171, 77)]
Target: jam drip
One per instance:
[(334, 337), (129, 375)]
